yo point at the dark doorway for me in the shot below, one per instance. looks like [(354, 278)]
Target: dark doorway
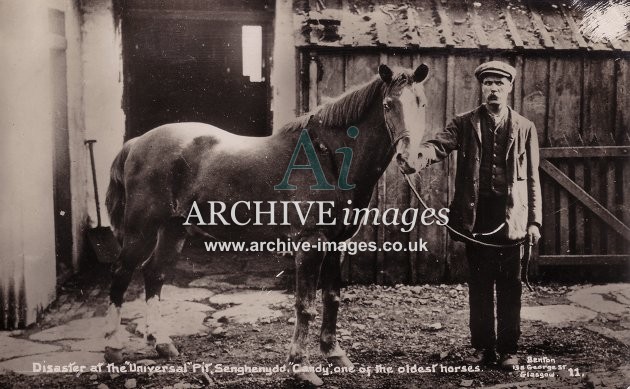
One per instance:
[(186, 63)]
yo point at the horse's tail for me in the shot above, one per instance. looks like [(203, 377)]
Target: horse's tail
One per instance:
[(115, 199)]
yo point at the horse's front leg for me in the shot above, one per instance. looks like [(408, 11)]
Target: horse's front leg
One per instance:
[(307, 264), (331, 284)]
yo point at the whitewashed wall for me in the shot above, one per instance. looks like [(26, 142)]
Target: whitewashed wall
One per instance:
[(283, 71), (27, 240)]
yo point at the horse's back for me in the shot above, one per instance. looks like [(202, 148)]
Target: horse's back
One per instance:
[(178, 134), (177, 137)]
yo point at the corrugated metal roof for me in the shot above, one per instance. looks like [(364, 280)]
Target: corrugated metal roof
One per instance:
[(492, 24)]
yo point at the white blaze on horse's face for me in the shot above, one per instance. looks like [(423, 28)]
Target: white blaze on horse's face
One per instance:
[(405, 112), (413, 101)]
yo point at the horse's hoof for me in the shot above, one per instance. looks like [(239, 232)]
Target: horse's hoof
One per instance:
[(340, 361), (113, 355), (309, 378), (166, 350)]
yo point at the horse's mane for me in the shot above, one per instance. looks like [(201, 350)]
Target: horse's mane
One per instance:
[(344, 110)]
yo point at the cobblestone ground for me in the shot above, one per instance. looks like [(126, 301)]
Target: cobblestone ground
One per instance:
[(579, 336)]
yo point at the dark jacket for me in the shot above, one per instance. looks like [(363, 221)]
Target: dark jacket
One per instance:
[(463, 133)]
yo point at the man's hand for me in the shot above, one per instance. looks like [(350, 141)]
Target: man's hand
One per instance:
[(533, 234), (423, 161)]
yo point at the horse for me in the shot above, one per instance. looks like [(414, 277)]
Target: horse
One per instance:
[(160, 177)]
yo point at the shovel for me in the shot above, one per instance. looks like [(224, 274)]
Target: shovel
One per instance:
[(101, 238)]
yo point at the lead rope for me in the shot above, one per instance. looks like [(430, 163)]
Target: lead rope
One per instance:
[(528, 247)]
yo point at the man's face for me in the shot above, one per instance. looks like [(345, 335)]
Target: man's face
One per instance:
[(495, 90)]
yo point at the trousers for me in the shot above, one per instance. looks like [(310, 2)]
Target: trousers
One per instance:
[(490, 267)]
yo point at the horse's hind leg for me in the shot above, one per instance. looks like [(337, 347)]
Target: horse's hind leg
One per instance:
[(330, 279), (171, 238), (308, 264), (136, 248)]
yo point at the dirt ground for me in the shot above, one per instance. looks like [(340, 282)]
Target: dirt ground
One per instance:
[(396, 327)]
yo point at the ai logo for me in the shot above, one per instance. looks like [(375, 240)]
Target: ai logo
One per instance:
[(305, 142)]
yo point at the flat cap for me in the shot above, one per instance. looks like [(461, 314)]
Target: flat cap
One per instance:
[(495, 68)]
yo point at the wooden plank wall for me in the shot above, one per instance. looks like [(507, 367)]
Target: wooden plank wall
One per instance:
[(572, 100)]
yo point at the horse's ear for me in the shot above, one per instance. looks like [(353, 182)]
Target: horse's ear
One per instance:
[(386, 73), (420, 73)]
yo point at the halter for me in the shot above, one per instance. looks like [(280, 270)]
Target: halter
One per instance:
[(391, 133), (393, 138)]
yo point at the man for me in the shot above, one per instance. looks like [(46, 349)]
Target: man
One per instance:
[(497, 198)]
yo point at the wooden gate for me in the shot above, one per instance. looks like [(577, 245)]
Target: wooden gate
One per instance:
[(580, 108), (583, 191), (584, 165)]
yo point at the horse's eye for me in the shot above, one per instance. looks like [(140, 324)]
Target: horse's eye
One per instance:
[(417, 100), (386, 106)]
